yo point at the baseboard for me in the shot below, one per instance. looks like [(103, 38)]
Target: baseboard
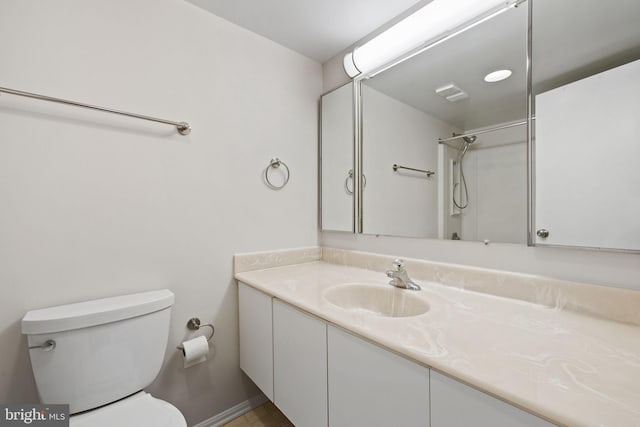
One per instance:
[(232, 413)]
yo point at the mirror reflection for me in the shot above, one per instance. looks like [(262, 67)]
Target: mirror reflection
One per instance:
[(587, 97), (336, 159), (471, 187)]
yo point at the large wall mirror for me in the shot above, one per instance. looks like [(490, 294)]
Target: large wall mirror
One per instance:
[(445, 150), (586, 87), (424, 177)]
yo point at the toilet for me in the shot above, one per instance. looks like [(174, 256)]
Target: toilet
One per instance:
[(98, 356)]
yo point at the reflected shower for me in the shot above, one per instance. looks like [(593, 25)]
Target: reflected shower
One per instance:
[(468, 140)]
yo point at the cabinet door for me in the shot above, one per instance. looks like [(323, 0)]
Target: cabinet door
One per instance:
[(454, 404), (256, 344), (300, 365), (370, 386)]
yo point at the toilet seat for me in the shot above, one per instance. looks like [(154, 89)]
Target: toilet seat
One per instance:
[(138, 410)]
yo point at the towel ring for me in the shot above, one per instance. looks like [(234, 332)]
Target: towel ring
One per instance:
[(350, 176), (275, 163), (194, 324)]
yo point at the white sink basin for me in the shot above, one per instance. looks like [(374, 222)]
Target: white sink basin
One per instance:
[(379, 300)]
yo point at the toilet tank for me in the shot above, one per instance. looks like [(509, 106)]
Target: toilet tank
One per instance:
[(104, 350)]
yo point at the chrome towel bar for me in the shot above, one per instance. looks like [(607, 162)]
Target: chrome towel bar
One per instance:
[(428, 172), (183, 127)]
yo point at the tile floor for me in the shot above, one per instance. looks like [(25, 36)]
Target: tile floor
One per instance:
[(266, 415)]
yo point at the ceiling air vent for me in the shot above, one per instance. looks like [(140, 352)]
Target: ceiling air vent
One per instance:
[(451, 92)]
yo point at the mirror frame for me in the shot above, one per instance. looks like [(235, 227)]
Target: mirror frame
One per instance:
[(531, 223)]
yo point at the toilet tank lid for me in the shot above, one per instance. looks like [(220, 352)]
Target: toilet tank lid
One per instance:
[(95, 312)]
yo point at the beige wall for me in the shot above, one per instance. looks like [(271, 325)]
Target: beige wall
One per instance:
[(95, 205)]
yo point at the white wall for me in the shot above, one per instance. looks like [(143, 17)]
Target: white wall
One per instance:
[(95, 205), (401, 203), (616, 269)]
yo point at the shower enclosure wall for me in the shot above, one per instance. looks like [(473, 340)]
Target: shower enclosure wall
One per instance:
[(493, 206)]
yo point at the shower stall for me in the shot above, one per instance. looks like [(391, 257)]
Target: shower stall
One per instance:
[(482, 188)]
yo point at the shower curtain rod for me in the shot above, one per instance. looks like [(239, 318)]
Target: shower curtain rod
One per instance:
[(442, 141), (183, 127)]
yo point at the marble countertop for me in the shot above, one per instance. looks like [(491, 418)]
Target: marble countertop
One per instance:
[(569, 367)]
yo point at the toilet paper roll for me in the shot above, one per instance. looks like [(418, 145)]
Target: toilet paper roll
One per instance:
[(195, 351)]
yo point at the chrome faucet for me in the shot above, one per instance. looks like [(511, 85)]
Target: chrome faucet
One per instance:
[(400, 278)]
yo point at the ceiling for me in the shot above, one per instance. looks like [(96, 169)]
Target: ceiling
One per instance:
[(318, 29)]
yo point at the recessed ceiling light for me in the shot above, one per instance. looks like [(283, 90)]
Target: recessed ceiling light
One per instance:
[(497, 76)]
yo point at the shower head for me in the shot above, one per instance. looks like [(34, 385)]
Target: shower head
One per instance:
[(469, 139)]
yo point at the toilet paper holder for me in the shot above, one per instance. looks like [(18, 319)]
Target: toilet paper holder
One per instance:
[(194, 324)]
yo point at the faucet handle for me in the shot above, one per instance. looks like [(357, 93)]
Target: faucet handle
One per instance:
[(398, 263)]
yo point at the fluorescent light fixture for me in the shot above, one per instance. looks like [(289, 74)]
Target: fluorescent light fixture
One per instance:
[(349, 65), (497, 76), (436, 21)]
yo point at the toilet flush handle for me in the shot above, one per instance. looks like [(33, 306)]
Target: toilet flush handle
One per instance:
[(48, 345)]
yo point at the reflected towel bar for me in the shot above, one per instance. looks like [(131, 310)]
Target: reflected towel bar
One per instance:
[(183, 127), (428, 172)]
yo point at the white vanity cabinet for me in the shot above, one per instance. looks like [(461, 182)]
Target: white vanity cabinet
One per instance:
[(370, 386), (320, 375), (455, 404), (300, 365), (256, 337)]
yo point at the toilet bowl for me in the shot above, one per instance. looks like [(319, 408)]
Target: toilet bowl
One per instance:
[(98, 356)]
